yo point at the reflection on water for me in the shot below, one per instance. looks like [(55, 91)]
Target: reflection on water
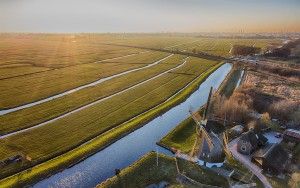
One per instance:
[(102, 165)]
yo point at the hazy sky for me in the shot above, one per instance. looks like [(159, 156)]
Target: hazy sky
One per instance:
[(149, 15)]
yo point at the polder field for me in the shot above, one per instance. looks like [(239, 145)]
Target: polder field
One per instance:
[(99, 86)]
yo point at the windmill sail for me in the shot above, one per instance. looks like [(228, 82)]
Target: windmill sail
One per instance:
[(203, 143), (207, 103)]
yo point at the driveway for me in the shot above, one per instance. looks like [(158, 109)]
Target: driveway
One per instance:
[(246, 161)]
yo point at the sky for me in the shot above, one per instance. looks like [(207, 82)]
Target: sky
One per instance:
[(101, 16)]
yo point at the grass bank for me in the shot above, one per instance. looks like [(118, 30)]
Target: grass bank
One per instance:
[(145, 172), (182, 137), (80, 152), (231, 82)]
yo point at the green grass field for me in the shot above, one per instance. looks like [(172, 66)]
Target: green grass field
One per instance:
[(53, 165), (33, 67), (42, 112), (53, 139), (215, 46), (222, 47), (56, 51), (22, 54), (145, 172), (41, 85), (43, 54)]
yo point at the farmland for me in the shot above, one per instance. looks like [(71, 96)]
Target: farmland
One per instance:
[(35, 67), (30, 88), (215, 46), (222, 47), (42, 143), (24, 54), (51, 109)]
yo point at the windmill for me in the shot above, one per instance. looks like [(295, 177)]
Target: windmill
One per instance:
[(206, 144)]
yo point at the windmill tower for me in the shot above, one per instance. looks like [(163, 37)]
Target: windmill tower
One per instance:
[(207, 145)]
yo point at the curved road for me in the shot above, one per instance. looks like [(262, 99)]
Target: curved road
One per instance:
[(97, 101), (246, 161)]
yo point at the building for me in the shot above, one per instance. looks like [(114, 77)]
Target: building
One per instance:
[(238, 129), (272, 158), (250, 141), (291, 135)]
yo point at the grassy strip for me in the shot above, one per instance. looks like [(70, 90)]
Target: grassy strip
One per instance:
[(145, 172), (37, 114), (100, 142), (231, 82), (21, 90)]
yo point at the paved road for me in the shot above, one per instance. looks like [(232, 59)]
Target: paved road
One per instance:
[(245, 160)]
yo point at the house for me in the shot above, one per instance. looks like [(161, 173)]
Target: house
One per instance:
[(238, 129), (272, 158), (250, 141), (291, 135)]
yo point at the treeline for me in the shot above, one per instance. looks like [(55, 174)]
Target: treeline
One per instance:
[(284, 51), (246, 101), (244, 50)]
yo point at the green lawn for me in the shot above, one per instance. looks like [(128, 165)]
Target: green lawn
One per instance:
[(145, 172), (62, 135)]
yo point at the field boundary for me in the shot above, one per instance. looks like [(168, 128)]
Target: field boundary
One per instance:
[(100, 142)]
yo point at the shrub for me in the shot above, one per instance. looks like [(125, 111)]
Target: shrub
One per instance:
[(237, 108), (286, 110)]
